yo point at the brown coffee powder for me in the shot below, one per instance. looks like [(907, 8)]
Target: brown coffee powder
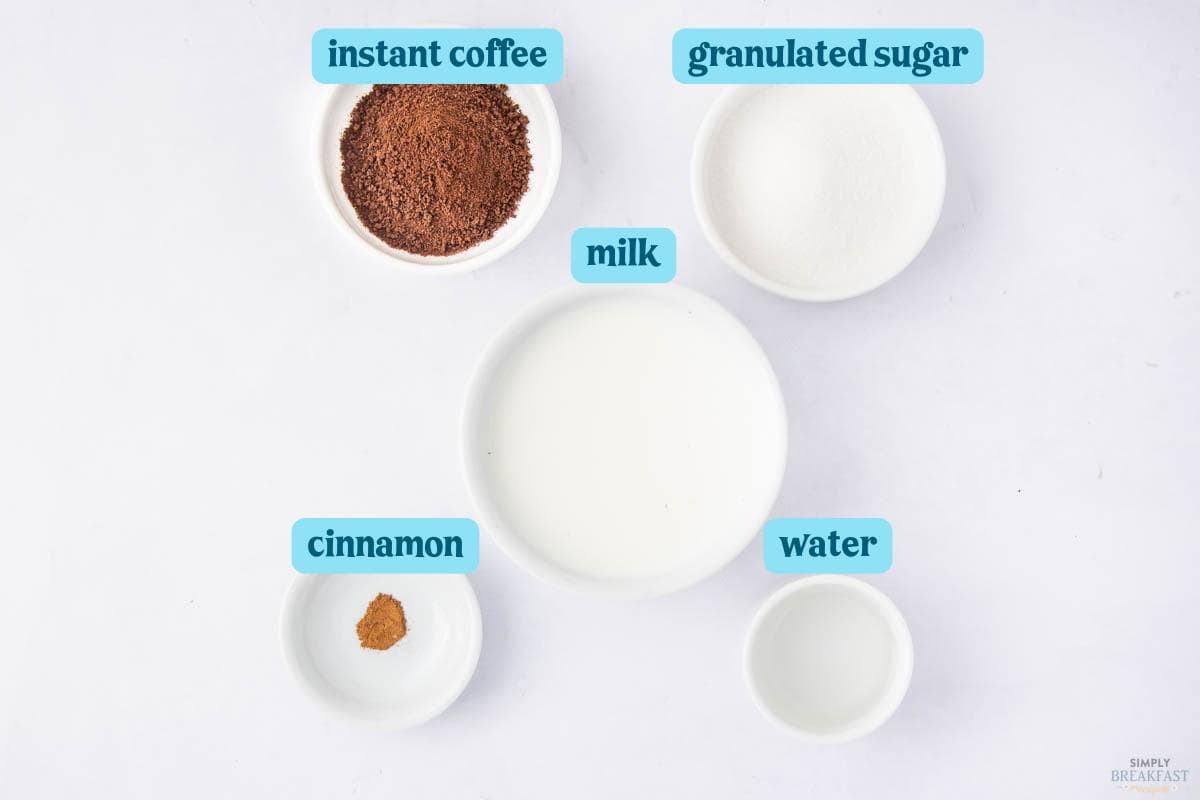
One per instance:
[(434, 170), (383, 624)]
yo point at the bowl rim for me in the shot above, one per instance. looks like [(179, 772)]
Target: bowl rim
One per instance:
[(289, 626), (459, 263), (511, 544), (714, 118), (899, 680)]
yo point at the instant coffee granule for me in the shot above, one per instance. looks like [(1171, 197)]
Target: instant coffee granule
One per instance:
[(435, 169), (383, 624)]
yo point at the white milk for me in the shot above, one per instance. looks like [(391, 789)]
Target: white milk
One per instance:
[(627, 435)]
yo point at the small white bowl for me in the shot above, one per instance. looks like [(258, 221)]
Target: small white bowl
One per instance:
[(829, 658), (911, 124), (406, 685), (700, 552), (545, 148)]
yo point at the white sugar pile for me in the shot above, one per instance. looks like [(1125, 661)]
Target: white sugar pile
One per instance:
[(824, 192)]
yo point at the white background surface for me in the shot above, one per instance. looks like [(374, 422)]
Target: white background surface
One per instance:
[(194, 355)]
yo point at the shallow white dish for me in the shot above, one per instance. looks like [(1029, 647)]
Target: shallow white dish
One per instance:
[(545, 148), (625, 439), (410, 683), (818, 193), (828, 657)]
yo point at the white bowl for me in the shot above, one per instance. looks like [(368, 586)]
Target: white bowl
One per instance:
[(410, 683), (582, 471), (829, 658), (545, 148), (917, 165)]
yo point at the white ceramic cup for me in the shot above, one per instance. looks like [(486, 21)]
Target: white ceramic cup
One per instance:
[(829, 658), (545, 148)]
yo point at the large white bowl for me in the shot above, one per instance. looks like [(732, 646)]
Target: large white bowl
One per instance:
[(689, 558), (545, 148)]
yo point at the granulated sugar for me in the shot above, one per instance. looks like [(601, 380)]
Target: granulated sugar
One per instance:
[(824, 191)]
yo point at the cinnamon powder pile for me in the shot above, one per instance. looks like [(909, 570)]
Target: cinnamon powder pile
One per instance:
[(383, 624), (434, 170)]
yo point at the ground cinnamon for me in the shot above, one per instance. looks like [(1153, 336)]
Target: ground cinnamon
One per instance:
[(383, 624), (435, 169)]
